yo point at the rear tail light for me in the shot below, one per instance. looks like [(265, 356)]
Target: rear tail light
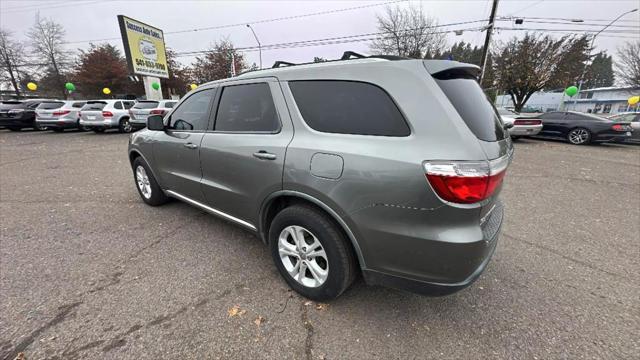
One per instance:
[(527, 122), (620, 127), (466, 182), (61, 112), (79, 113), (107, 114), (156, 112)]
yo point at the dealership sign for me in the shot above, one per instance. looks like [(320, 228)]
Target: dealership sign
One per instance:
[(144, 48)]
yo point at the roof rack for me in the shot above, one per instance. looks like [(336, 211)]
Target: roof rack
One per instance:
[(278, 63), (347, 55)]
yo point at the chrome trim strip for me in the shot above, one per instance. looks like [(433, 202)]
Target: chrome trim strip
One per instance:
[(211, 210)]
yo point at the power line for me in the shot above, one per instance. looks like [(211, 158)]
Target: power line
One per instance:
[(527, 7), (564, 19), (51, 6), (612, 31), (263, 21), (34, 6), (573, 24)]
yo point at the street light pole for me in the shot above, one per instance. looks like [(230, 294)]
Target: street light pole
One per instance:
[(259, 45), (593, 39)]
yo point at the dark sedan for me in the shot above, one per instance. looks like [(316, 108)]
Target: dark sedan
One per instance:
[(16, 115), (579, 128)]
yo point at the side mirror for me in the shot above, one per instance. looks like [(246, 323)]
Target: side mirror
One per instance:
[(155, 122)]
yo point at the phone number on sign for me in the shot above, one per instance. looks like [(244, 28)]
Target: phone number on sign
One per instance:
[(150, 64)]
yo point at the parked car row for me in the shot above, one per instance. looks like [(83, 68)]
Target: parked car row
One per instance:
[(575, 127), (97, 115)]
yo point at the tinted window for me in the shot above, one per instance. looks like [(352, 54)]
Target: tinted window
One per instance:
[(170, 104), (117, 105), (128, 104), (247, 108), (78, 104), (193, 113), (96, 105), (472, 105), (146, 105), (347, 107), (551, 115), (10, 105), (50, 105), (506, 112)]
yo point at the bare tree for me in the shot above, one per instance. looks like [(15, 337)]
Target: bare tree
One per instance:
[(408, 32), (47, 40), (11, 58), (628, 64)]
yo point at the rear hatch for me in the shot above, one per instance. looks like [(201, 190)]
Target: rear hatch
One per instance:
[(49, 110), (92, 111), (481, 180), (11, 109), (141, 110)]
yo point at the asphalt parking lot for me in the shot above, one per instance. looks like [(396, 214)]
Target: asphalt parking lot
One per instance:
[(89, 271)]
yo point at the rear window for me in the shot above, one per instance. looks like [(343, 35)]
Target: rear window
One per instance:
[(348, 107), (472, 105), (50, 105), (146, 105), (170, 104), (10, 105), (94, 105)]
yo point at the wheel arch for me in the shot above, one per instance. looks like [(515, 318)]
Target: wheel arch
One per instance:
[(281, 199), (134, 154)]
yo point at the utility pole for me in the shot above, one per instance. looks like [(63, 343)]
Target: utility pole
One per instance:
[(487, 38)]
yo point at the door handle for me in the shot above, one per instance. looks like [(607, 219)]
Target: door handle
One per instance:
[(264, 155), (191, 145)]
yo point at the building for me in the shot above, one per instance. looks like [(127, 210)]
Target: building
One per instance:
[(605, 100)]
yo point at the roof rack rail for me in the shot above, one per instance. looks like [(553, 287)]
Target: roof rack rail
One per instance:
[(348, 54), (278, 63)]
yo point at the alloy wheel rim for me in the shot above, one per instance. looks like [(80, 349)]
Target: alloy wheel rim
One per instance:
[(578, 136), (303, 256), (126, 126), (143, 182)]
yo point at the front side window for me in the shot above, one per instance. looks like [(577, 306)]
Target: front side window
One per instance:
[(348, 107), (247, 108), (193, 113)]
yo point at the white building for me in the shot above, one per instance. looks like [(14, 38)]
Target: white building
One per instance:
[(605, 100)]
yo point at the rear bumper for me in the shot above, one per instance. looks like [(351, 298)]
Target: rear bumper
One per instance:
[(138, 124), (58, 124), (17, 122), (412, 260), (612, 136), (106, 124), (525, 130)]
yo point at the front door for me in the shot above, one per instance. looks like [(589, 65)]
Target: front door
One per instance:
[(243, 157), (177, 149)]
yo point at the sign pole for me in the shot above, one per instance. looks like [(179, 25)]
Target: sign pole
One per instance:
[(149, 91)]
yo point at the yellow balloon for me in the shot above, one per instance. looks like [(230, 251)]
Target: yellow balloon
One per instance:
[(193, 86), (634, 100), (32, 86), (106, 91)]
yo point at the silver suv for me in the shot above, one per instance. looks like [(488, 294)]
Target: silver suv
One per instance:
[(100, 115), (382, 166), (139, 113), (58, 115)]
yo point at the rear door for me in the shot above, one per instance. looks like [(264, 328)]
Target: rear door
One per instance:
[(242, 159), (176, 151)]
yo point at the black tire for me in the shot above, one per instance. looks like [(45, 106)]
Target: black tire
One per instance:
[(157, 195), (341, 262), (13, 128), (125, 126), (579, 136), (80, 127), (98, 130)]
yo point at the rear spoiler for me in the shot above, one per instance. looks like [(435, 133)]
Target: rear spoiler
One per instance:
[(447, 68)]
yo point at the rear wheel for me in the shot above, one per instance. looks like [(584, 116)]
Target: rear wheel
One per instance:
[(579, 136), (311, 253), (125, 126), (147, 185), (80, 127)]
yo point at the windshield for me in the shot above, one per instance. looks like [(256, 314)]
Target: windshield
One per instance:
[(50, 105), (94, 105), (472, 105), (146, 105)]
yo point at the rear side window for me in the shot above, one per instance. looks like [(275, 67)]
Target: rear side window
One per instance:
[(146, 105), (472, 105), (348, 107), (50, 105), (96, 106), (78, 104), (117, 105), (247, 108)]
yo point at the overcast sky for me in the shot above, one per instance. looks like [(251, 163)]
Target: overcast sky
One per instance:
[(93, 20)]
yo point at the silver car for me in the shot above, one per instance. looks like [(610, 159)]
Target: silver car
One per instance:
[(100, 115), (139, 113), (381, 166), (59, 115), (634, 119), (520, 125)]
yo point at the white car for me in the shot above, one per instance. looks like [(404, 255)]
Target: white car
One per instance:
[(522, 126), (139, 113), (99, 115), (634, 119), (58, 115)]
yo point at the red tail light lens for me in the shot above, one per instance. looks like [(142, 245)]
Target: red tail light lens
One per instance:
[(527, 122), (107, 114), (620, 127), (61, 112), (466, 182), (156, 112)]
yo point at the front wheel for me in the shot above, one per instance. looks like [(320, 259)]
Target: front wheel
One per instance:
[(125, 126), (147, 185), (311, 253), (579, 136)]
